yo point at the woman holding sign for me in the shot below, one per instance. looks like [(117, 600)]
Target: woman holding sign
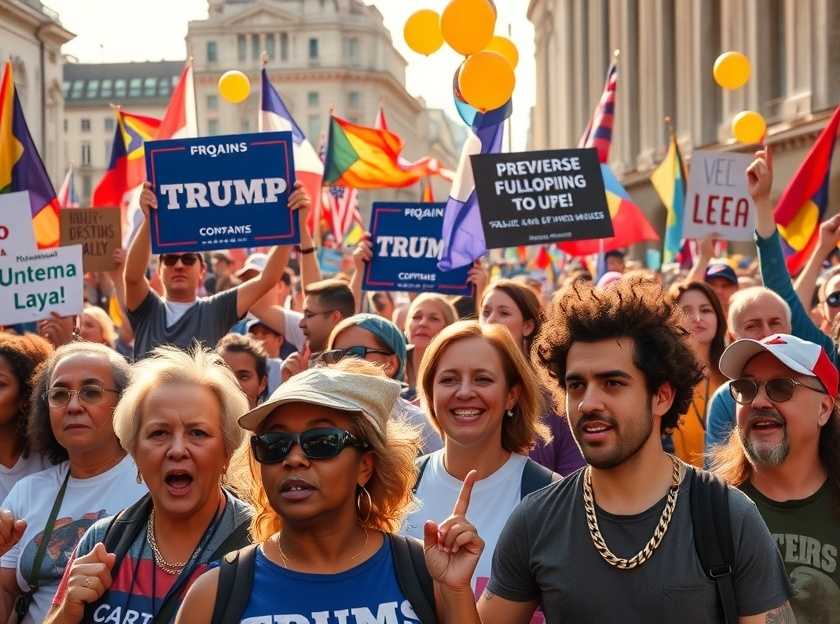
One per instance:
[(706, 324), (332, 480)]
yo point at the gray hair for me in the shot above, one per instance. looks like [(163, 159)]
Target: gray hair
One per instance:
[(746, 297), (170, 365)]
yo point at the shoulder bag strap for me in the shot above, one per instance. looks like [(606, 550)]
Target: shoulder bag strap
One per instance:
[(420, 464), (45, 537), (534, 477), (236, 580), (413, 577)]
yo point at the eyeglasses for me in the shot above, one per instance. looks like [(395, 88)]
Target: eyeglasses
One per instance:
[(323, 443), (187, 259), (833, 300), (308, 315), (334, 355), (61, 397), (778, 390)]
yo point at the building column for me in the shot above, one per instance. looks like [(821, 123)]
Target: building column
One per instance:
[(624, 29)]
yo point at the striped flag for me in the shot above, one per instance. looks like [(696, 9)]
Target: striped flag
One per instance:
[(598, 133), (67, 197), (669, 180)]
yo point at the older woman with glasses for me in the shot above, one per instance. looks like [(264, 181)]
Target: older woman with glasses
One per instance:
[(75, 393), (178, 420)]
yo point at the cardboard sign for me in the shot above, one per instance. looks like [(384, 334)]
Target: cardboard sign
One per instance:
[(222, 192), (534, 198), (97, 230), (38, 283), (406, 240), (16, 233), (717, 201)]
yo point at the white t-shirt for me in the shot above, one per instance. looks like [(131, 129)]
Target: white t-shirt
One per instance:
[(22, 468), (175, 310), (85, 502), (492, 501), (292, 332)]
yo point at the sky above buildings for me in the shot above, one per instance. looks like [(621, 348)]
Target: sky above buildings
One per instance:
[(128, 30)]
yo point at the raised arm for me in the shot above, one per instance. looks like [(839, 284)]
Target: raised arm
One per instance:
[(139, 254), (310, 270), (806, 283), (361, 256), (705, 252)]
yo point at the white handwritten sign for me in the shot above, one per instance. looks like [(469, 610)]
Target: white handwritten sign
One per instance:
[(16, 234)]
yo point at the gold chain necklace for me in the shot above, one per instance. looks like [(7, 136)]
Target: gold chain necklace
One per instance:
[(160, 561), (664, 520), (286, 559)]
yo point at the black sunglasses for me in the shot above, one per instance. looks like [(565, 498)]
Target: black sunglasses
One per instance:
[(273, 447), (187, 259), (778, 390), (833, 300), (334, 355)]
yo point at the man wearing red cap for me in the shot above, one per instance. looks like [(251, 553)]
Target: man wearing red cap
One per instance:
[(786, 457)]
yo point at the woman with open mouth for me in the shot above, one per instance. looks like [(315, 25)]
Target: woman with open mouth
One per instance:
[(177, 419)]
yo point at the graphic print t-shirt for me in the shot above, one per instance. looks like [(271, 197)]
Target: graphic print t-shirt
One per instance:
[(85, 502), (365, 594), (807, 532)]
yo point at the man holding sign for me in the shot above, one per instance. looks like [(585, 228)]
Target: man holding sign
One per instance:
[(180, 317)]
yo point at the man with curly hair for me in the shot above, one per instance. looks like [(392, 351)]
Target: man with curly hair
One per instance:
[(614, 542)]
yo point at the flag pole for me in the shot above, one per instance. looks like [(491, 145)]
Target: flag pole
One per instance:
[(510, 117)]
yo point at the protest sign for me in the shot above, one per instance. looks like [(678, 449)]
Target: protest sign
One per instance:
[(717, 200), (406, 239), (37, 283), (329, 260), (533, 198), (97, 230), (16, 233), (222, 192)]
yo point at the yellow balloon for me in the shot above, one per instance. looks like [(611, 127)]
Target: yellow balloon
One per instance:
[(732, 70), (505, 47), (749, 127), (486, 80), (422, 32), (234, 86), (467, 25)]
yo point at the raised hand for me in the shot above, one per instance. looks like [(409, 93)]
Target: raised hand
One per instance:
[(148, 200), (454, 547), (11, 530), (363, 252), (760, 175), (296, 363), (829, 235), (90, 578), (478, 277)]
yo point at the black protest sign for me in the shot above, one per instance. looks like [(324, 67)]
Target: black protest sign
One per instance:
[(534, 198)]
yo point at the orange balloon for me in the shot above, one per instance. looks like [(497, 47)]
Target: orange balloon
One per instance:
[(422, 32), (486, 80), (467, 25), (732, 70), (749, 127), (505, 47)]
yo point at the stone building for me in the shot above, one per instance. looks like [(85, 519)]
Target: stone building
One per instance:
[(667, 50)]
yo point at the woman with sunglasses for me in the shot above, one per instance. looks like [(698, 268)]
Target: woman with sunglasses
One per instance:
[(515, 306), (332, 479), (481, 393), (706, 325), (75, 393), (178, 419), (375, 339)]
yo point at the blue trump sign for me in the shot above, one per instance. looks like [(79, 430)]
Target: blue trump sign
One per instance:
[(406, 240), (222, 192)]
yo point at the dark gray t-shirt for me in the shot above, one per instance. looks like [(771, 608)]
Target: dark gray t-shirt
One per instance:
[(545, 554), (207, 320)]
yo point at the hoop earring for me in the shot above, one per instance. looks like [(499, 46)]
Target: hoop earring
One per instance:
[(369, 503), (509, 413)]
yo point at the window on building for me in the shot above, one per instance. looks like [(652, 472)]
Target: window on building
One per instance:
[(109, 124), (92, 89), (270, 46), (313, 127), (351, 49), (212, 127), (107, 88), (313, 98), (85, 125), (86, 187), (150, 87), (354, 99), (134, 86), (241, 47), (212, 52), (212, 102), (86, 154), (313, 49), (164, 86), (256, 48), (119, 87), (78, 85), (65, 89), (284, 46), (777, 51)]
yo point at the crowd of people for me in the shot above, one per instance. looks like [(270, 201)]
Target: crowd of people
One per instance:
[(209, 442)]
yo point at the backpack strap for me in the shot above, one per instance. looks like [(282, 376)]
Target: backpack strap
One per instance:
[(534, 477), (413, 577), (239, 538), (713, 537), (420, 465), (236, 580)]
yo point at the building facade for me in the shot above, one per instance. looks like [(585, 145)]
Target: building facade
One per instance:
[(667, 51), (32, 36)]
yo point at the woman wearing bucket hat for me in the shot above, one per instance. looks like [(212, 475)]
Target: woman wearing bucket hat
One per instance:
[(332, 477), (375, 339)]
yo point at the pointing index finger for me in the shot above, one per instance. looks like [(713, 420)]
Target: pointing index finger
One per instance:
[(463, 502)]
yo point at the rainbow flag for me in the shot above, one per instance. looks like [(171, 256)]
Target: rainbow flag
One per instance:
[(21, 168), (803, 203), (367, 158), (669, 180)]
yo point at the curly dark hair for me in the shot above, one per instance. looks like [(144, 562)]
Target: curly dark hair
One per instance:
[(23, 354), (39, 429), (632, 308)]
